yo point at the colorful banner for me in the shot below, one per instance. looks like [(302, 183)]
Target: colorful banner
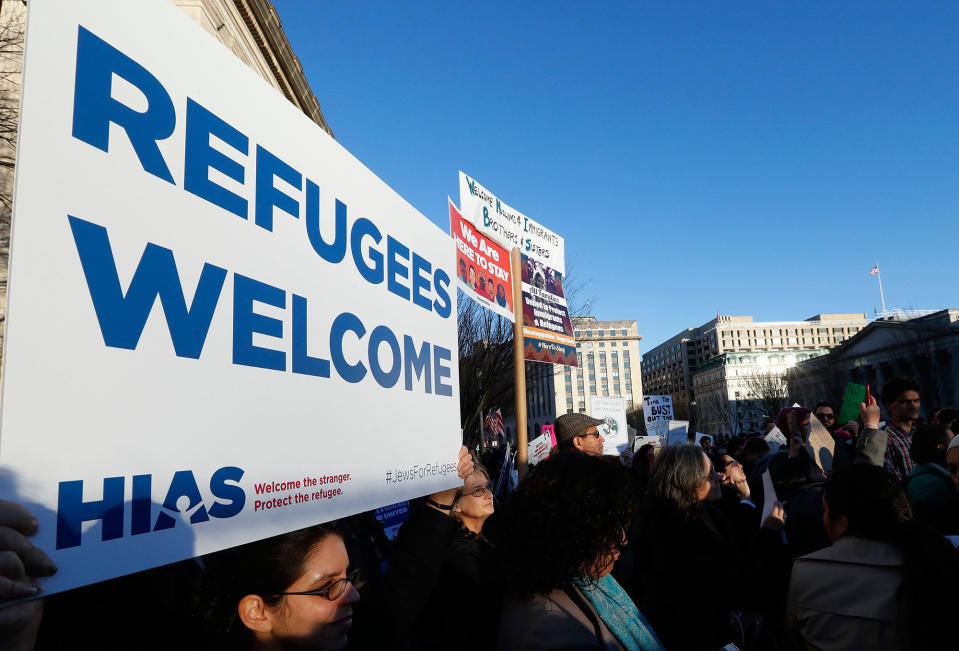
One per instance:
[(212, 304), (547, 329), (510, 227), (482, 267)]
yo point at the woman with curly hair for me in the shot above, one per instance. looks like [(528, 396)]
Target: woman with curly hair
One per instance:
[(563, 531)]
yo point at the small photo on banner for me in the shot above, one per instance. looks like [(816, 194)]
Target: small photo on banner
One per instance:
[(546, 324), (482, 266)]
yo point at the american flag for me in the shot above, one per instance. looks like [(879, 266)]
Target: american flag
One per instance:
[(874, 270), (494, 422)]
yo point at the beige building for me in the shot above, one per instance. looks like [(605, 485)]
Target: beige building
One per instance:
[(250, 29), (729, 373), (609, 355)]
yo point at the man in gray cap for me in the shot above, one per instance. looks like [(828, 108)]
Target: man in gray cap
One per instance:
[(580, 433)]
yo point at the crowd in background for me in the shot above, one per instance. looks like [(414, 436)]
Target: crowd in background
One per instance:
[(668, 551)]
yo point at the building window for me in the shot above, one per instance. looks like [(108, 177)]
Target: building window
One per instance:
[(616, 387), (592, 388), (602, 344), (582, 399), (625, 353), (601, 332), (589, 344), (589, 333)]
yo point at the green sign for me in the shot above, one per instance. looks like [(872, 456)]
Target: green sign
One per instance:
[(855, 393)]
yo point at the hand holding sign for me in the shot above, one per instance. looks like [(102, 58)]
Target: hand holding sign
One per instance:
[(869, 412)]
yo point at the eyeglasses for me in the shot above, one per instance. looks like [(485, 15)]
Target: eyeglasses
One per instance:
[(479, 491), (582, 436), (825, 416), (331, 591)]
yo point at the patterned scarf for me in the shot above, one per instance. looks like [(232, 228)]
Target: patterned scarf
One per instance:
[(619, 613)]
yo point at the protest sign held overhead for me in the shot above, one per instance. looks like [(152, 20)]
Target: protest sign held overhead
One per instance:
[(298, 291), (657, 408), (855, 393), (614, 427), (547, 328), (482, 266), (510, 227)]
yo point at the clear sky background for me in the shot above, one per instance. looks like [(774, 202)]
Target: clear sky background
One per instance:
[(751, 158)]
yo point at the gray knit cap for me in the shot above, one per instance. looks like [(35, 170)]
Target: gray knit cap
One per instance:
[(569, 426)]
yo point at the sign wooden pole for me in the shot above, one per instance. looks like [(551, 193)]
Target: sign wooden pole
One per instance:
[(519, 366)]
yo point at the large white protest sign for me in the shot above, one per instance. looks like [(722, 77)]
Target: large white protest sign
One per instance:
[(300, 363), (510, 227), (614, 427), (657, 408)]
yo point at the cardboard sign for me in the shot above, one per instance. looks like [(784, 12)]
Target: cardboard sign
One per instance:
[(657, 408), (614, 427), (221, 325), (820, 444), (539, 448), (482, 267), (547, 328), (510, 227), (855, 394)]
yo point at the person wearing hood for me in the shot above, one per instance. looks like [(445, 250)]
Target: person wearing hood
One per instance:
[(929, 487)]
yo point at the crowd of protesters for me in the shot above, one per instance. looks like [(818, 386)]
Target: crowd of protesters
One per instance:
[(668, 551)]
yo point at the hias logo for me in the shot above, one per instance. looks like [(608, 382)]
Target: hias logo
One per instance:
[(72, 511)]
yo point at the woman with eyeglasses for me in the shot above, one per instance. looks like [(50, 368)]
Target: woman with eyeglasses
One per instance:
[(467, 582), (563, 531), (292, 590)]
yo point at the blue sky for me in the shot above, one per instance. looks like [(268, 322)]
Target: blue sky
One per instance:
[(751, 158)]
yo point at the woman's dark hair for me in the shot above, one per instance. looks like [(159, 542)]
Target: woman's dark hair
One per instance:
[(756, 445), (877, 508), (570, 510), (948, 415), (870, 498), (265, 568), (925, 442), (677, 474)]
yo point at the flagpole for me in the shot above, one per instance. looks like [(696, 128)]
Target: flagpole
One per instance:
[(881, 296)]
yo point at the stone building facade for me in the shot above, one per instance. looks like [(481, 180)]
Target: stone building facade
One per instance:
[(924, 348)]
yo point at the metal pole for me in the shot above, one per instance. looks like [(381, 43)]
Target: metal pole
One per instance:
[(519, 366), (881, 297)]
